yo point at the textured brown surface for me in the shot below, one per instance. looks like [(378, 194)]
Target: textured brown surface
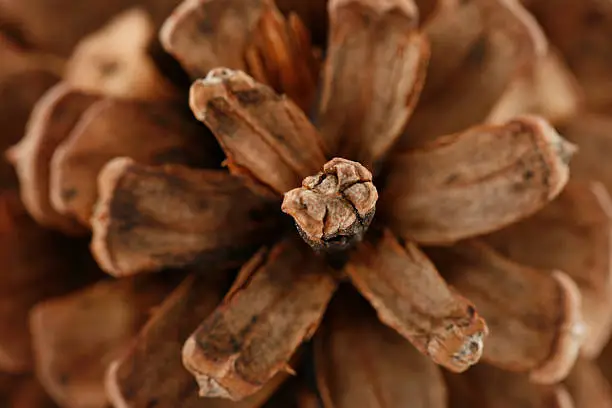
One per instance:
[(70, 21), (75, 337), (333, 209), (546, 87), (361, 363), (587, 386), (276, 303), (116, 60), (268, 140), (155, 217), (572, 234), (488, 387), (149, 133), (592, 133), (52, 119), (534, 315), (36, 264), (151, 372), (582, 31), (411, 297), (506, 173), (477, 48), (374, 71)]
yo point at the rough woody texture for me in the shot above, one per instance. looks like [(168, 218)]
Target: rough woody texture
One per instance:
[(115, 60), (276, 303), (333, 209), (280, 55), (77, 336), (471, 41), (410, 296), (51, 121), (36, 264), (151, 373), (206, 34), (268, 140), (148, 132), (572, 234), (484, 386), (149, 218), (507, 173), (534, 315), (247, 35), (361, 363), (378, 46)]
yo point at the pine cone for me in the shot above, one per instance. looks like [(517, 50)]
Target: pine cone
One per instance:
[(352, 203)]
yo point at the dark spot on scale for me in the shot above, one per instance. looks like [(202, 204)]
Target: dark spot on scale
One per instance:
[(451, 178), (471, 311), (63, 378), (250, 97), (593, 17), (478, 52), (108, 68), (528, 175), (217, 109), (69, 193), (152, 403)]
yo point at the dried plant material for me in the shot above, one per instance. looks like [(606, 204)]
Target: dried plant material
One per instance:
[(268, 140), (334, 208), (251, 36), (150, 372), (115, 61), (50, 123), (374, 71), (150, 218), (399, 280), (19, 92), (73, 347), (508, 172), (547, 88), (593, 135), (572, 234), (280, 55), (540, 331), (361, 363), (587, 386), (582, 30), (484, 386), (277, 303), (206, 34), (477, 48), (149, 133), (35, 265), (313, 13)]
